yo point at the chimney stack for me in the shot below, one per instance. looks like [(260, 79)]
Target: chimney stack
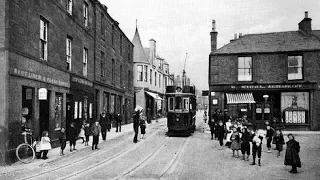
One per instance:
[(213, 35), (305, 24)]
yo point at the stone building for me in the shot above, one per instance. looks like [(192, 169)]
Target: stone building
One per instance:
[(50, 67), (268, 76), (151, 76)]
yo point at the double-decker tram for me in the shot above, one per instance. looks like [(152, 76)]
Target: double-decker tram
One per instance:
[(181, 106)]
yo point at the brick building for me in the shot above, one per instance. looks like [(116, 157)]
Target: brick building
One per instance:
[(267, 76), (50, 67), (151, 76)]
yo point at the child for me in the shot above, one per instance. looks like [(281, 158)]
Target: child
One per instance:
[(82, 134), (256, 147), (235, 142), (269, 136), (245, 143), (220, 133), (95, 130), (87, 133), (73, 136), (45, 145), (63, 140), (142, 128), (36, 147), (292, 154), (278, 141)]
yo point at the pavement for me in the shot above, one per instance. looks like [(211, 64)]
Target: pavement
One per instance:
[(54, 153)]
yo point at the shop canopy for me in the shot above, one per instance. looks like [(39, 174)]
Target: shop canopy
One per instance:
[(154, 95), (240, 98)]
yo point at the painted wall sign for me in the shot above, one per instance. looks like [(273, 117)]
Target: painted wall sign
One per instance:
[(38, 77), (43, 93), (264, 87)]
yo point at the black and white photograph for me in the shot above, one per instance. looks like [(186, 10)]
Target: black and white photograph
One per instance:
[(159, 90)]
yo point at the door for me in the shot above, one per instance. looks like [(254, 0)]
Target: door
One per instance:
[(263, 114), (69, 112), (44, 114)]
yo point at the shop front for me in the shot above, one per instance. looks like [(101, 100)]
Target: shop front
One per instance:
[(287, 104), (37, 101), (80, 102)]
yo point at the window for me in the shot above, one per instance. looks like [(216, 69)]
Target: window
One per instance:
[(85, 14), (69, 53), (120, 45), (295, 68), (112, 35), (178, 104), (165, 81), (113, 70), (85, 62), (155, 78), (159, 80), (102, 24), (102, 68), (121, 75), (145, 74), (244, 69), (140, 73), (69, 6), (43, 38), (171, 104), (151, 76), (185, 104)]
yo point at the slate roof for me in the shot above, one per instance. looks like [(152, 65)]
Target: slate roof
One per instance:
[(138, 51), (273, 42)]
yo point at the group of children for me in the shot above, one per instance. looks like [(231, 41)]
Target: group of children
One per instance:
[(239, 138)]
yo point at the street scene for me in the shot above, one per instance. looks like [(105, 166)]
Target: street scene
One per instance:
[(159, 156), (147, 89)]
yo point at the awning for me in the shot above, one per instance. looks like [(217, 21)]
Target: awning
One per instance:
[(240, 98), (154, 95)]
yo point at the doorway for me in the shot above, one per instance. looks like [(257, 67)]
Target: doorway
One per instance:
[(44, 114), (69, 112)]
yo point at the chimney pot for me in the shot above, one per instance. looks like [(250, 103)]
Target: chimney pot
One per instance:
[(213, 25), (306, 14), (235, 36)]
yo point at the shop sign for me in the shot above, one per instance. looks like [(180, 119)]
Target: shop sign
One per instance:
[(258, 110), (82, 81), (264, 87), (38, 77), (266, 110), (43, 92)]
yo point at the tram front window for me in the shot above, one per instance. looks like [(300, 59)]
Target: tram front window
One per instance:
[(186, 104), (178, 104)]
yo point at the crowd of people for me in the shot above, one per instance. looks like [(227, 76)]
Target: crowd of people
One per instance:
[(242, 137)]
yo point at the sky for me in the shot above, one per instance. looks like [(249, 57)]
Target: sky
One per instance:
[(183, 26)]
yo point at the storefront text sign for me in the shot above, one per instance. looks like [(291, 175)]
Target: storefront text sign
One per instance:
[(82, 81), (38, 77), (263, 87)]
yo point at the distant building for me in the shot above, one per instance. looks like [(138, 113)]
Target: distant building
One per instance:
[(151, 76), (267, 76)]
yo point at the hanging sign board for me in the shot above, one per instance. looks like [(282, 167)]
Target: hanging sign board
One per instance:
[(43, 94)]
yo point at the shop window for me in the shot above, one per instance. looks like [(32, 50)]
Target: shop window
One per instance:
[(80, 109), (295, 107), (140, 73), (171, 103), (58, 110), (244, 69), (43, 38), (90, 111), (75, 110), (295, 68), (112, 103)]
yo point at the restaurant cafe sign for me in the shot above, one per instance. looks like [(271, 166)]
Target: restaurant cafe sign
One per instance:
[(264, 87)]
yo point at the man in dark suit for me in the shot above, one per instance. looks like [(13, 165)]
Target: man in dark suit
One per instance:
[(118, 119)]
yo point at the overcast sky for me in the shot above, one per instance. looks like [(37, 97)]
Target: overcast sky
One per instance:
[(183, 26)]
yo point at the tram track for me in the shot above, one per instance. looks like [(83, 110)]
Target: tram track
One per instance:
[(88, 157)]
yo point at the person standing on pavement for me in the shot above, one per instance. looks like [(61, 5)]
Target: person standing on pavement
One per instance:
[(73, 135), (136, 119), (278, 141), (235, 145), (45, 145), (220, 129), (269, 136), (143, 127), (87, 133), (62, 139), (292, 157), (109, 119), (118, 119), (103, 124), (245, 143), (212, 124), (256, 147), (95, 130)]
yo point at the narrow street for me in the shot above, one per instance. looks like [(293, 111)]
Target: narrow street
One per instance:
[(162, 157)]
